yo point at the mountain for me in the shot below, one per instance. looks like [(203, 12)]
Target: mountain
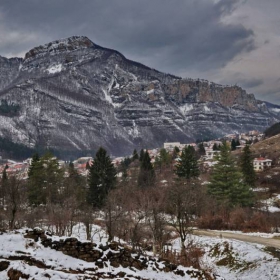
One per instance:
[(74, 95)]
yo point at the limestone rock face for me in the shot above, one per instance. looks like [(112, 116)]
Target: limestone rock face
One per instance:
[(72, 94)]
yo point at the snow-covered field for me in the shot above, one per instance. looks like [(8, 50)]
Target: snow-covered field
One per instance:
[(232, 259), (227, 259), (35, 261)]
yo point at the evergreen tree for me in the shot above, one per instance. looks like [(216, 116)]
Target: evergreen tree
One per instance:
[(135, 155), (201, 149), (35, 159), (4, 183), (176, 152), (247, 167), (73, 186), (142, 153), (187, 166), (45, 180), (226, 183), (164, 159), (101, 179), (35, 190), (233, 145), (215, 147), (147, 174), (4, 174)]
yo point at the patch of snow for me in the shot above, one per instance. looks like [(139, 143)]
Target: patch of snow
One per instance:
[(108, 97), (269, 204), (260, 189), (276, 110), (55, 69), (185, 108), (151, 91), (206, 109), (252, 263), (258, 234)]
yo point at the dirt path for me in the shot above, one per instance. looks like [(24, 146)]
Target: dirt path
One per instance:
[(270, 242)]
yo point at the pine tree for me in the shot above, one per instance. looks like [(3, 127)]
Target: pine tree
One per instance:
[(35, 159), (45, 180), (147, 174), (233, 145), (101, 179), (237, 143), (201, 149), (215, 147), (35, 184), (163, 160), (53, 177), (74, 186), (165, 157), (142, 153), (4, 183), (187, 166), (247, 167), (135, 155), (176, 152), (226, 183)]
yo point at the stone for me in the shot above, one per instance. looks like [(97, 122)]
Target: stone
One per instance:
[(4, 265), (15, 274)]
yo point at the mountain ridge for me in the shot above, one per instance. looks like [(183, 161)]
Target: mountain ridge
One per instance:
[(75, 95)]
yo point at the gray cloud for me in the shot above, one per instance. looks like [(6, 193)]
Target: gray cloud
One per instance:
[(221, 41), (250, 83), (245, 82), (173, 36)]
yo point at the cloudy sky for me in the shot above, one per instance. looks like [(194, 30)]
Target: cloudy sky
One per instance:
[(225, 41)]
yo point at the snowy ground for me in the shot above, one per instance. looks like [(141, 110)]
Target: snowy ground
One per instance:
[(51, 264), (232, 259), (228, 259), (270, 204), (259, 234)]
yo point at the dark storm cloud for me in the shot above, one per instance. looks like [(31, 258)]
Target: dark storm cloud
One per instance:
[(172, 36)]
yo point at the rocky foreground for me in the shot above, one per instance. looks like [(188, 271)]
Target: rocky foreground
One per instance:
[(35, 254)]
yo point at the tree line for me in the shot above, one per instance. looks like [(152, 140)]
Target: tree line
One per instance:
[(135, 201)]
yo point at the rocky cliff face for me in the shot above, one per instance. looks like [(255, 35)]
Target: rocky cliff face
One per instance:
[(9, 69), (72, 94)]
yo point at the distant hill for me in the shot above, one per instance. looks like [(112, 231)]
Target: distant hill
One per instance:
[(273, 130), (269, 148)]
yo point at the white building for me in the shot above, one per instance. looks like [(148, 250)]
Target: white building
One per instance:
[(261, 163), (170, 146), (209, 153)]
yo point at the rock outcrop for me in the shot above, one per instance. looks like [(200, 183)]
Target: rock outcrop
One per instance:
[(110, 254)]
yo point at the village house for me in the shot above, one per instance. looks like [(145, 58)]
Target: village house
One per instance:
[(209, 153), (261, 163), (170, 146)]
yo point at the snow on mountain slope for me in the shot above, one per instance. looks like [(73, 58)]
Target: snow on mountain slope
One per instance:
[(75, 95)]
